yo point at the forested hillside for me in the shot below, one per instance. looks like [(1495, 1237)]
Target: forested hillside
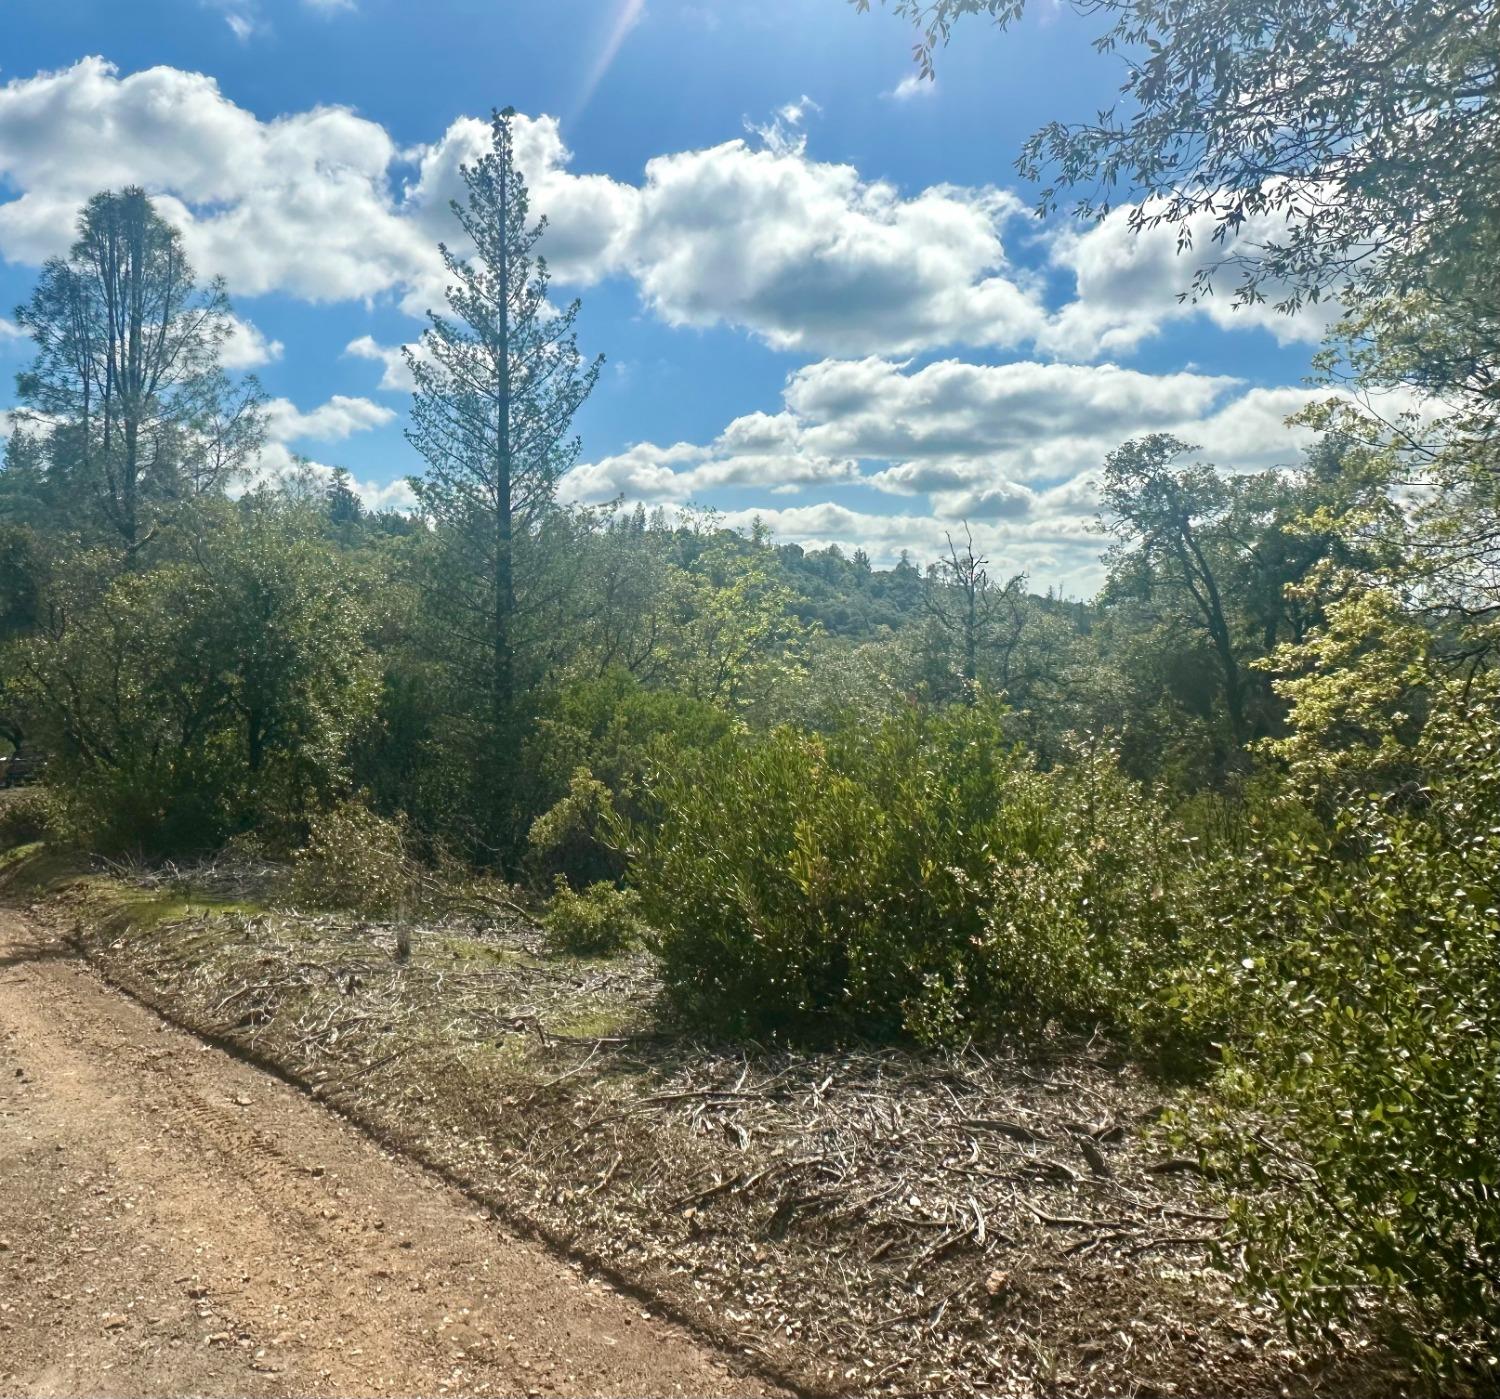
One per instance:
[(1237, 814)]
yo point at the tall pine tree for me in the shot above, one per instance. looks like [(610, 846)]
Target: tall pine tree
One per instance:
[(127, 385), (498, 381)]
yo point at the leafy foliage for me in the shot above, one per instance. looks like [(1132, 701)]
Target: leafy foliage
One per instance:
[(1370, 975), (588, 756), (205, 697), (25, 816), (594, 922), (1344, 140), (571, 832), (922, 875), (355, 859)]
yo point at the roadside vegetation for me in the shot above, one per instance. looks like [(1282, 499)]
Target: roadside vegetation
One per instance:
[(1216, 850), (859, 1216)]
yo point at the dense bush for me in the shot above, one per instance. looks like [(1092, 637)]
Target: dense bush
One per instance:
[(1366, 1038), (26, 815), (205, 697), (570, 839), (918, 875), (355, 859), (586, 759), (600, 920)]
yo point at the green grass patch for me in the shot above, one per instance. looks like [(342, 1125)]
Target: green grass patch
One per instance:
[(102, 903), (596, 1023), (471, 950), (38, 869)]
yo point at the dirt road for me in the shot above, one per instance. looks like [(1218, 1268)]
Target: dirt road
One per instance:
[(173, 1221)]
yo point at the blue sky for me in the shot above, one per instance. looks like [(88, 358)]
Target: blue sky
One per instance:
[(818, 285)]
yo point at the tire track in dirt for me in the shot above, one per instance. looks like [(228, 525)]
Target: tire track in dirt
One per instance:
[(174, 1221)]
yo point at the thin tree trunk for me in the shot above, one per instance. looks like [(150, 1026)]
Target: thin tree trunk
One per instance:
[(255, 741), (971, 636), (134, 373), (1218, 626), (505, 596), (128, 512)]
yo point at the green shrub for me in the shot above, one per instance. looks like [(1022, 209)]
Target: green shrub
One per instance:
[(600, 920), (587, 756), (26, 815), (355, 859), (1367, 1043), (569, 837), (919, 875), (184, 704)]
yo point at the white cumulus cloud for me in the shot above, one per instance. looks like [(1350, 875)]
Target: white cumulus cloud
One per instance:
[(972, 438), (913, 85), (1013, 449), (803, 253), (1128, 284), (395, 374), (300, 204), (808, 255), (247, 347), (340, 417)]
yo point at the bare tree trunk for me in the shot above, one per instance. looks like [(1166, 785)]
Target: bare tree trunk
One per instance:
[(505, 588), (1218, 630)]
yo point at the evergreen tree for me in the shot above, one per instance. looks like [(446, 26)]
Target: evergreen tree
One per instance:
[(26, 491), (498, 382), (127, 372), (342, 502)]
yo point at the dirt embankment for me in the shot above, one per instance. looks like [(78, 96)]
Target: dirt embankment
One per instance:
[(174, 1221)]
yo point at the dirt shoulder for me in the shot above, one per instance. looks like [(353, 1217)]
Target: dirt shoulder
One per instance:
[(175, 1221)]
